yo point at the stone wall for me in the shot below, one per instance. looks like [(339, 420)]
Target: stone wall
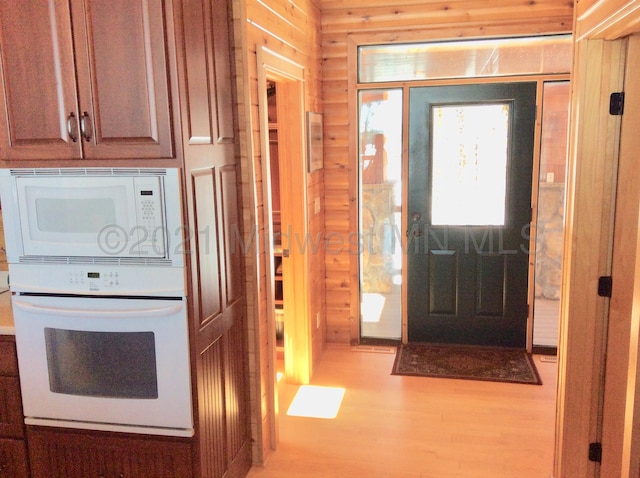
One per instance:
[(378, 230), (549, 242)]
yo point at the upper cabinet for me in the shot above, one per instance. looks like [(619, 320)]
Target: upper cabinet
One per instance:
[(84, 79)]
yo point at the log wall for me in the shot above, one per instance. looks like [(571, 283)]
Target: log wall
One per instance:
[(348, 23)]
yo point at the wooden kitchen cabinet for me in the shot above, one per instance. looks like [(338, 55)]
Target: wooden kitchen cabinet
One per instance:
[(13, 449), (11, 418), (77, 454), (84, 79), (13, 459)]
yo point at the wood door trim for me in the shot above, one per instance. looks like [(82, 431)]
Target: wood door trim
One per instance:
[(591, 183), (621, 447), (298, 340)]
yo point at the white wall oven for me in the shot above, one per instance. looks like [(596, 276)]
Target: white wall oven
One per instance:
[(97, 274)]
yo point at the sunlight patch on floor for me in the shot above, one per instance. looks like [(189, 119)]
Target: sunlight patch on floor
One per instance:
[(316, 402)]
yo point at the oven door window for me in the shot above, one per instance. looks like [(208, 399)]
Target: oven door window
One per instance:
[(102, 364)]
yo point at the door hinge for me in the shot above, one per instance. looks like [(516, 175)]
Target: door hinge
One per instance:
[(616, 104), (605, 286), (595, 452)]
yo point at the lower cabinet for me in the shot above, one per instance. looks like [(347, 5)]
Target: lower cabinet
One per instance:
[(67, 453), (13, 449), (13, 459)]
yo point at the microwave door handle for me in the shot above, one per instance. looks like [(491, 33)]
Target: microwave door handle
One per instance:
[(99, 314)]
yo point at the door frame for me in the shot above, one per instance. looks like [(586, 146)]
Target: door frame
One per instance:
[(621, 406), (354, 292), (289, 77), (598, 363)]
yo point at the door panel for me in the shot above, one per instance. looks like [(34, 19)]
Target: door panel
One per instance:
[(469, 210), (122, 69), (37, 82)]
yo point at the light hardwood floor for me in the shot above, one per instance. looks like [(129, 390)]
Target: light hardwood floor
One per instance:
[(393, 426)]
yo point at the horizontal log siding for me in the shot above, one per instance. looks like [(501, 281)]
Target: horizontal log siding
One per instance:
[(346, 22), (291, 29)]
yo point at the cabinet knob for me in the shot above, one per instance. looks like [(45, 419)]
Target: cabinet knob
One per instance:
[(86, 127), (285, 252), (72, 127)]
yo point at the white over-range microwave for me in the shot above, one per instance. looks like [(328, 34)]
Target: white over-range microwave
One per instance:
[(94, 216)]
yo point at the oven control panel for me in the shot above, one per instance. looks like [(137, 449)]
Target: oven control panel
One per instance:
[(98, 280), (95, 281)]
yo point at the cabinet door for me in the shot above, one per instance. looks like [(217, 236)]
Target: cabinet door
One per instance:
[(11, 418), (69, 454), (38, 98), (13, 459), (123, 80)]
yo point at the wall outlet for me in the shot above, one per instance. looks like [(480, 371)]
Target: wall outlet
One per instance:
[(318, 320), (316, 205)]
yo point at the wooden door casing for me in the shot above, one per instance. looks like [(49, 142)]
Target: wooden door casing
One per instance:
[(621, 413)]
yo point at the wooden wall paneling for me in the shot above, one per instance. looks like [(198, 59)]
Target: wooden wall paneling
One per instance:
[(382, 16), (593, 157)]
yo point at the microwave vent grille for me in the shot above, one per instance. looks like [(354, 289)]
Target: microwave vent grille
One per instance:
[(75, 172), (109, 261)]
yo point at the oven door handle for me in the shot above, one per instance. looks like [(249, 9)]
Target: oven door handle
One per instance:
[(116, 314)]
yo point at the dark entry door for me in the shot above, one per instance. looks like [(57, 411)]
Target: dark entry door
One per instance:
[(470, 168)]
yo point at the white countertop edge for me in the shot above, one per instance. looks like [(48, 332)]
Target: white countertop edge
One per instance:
[(7, 330)]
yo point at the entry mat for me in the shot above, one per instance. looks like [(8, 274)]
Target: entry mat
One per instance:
[(466, 362)]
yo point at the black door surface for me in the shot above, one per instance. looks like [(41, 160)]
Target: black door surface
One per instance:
[(469, 212)]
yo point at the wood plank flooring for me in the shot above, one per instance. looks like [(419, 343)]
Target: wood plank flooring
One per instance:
[(393, 426)]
